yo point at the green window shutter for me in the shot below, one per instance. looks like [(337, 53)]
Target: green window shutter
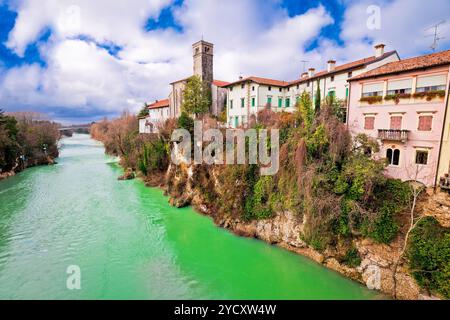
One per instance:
[(346, 92), (288, 103), (269, 101), (231, 104), (280, 102), (253, 102), (242, 103)]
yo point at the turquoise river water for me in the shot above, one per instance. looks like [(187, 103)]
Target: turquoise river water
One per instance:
[(130, 244)]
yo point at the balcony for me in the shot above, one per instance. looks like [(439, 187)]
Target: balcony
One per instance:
[(393, 135)]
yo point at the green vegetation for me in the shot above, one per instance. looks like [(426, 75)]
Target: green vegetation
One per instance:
[(26, 142), (352, 258), (196, 97), (429, 256), (144, 112)]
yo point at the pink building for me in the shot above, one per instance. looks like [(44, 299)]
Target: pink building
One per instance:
[(404, 106)]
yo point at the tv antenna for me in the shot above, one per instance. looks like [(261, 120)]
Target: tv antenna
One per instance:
[(435, 35), (304, 64)]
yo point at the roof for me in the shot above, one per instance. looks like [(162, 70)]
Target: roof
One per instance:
[(426, 61), (345, 67), (266, 81), (159, 104), (337, 69), (218, 83)]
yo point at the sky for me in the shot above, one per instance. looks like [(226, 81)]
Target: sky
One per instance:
[(80, 60)]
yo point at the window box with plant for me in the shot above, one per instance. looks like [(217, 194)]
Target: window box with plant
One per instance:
[(429, 95), (371, 99), (397, 96)]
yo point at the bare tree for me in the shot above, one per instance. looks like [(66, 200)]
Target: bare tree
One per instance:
[(415, 174)]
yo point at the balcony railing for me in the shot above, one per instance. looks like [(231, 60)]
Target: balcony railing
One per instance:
[(393, 135)]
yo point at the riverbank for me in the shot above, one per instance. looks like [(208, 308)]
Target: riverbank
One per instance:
[(129, 243), (19, 168), (329, 201)]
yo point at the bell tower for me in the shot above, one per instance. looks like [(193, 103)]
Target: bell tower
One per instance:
[(203, 61)]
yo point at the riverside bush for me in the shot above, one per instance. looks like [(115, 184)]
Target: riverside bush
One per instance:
[(429, 256)]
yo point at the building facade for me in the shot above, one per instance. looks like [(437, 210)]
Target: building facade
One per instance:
[(249, 95), (158, 113), (404, 106)]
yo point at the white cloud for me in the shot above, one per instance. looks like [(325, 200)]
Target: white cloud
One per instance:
[(250, 36)]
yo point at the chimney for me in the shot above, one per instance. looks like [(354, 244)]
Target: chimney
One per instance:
[(311, 72), (331, 65), (379, 50), (304, 75)]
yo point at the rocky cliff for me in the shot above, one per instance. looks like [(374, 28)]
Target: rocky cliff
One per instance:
[(285, 230)]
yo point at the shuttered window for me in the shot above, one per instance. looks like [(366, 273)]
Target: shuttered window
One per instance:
[(369, 123), (429, 81), (425, 123), (373, 89), (400, 86), (396, 123), (288, 102)]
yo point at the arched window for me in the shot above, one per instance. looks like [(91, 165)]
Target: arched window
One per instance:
[(393, 156)]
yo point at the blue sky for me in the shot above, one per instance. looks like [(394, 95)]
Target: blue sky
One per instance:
[(79, 60)]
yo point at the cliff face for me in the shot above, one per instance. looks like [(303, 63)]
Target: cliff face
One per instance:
[(285, 229)]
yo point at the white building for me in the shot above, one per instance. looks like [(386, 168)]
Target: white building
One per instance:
[(249, 95), (158, 113)]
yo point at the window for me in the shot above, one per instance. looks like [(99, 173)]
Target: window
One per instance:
[(231, 104), (331, 93), (281, 89), (298, 86), (242, 102), (244, 120), (399, 86), (243, 86), (422, 157), (270, 89), (431, 83), (269, 101), (425, 123), (396, 123), (346, 92), (393, 157), (288, 102), (231, 88), (253, 101), (369, 123), (289, 89), (280, 102), (307, 84), (332, 79), (253, 88), (373, 89), (350, 74)]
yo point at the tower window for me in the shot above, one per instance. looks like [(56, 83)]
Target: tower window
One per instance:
[(332, 78), (270, 89), (281, 89)]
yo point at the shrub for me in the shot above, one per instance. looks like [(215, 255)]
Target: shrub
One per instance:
[(383, 227), (429, 256), (352, 258)]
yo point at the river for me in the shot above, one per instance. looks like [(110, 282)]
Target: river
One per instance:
[(130, 244)]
